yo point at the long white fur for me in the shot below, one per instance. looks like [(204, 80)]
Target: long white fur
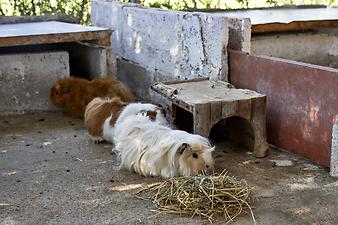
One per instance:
[(137, 108), (130, 109), (151, 149)]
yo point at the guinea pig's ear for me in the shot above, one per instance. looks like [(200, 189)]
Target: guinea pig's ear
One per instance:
[(184, 147), (152, 115), (64, 89)]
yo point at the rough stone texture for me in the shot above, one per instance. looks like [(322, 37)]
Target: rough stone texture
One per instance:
[(239, 34), (25, 80), (185, 45), (74, 181), (178, 45), (138, 79), (318, 48), (334, 151)]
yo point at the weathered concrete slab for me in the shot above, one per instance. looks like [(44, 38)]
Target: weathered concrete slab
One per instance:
[(25, 80), (185, 45), (319, 48), (48, 32), (182, 45), (334, 151)]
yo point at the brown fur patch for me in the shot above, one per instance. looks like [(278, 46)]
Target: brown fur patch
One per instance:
[(152, 115), (98, 110), (81, 92)]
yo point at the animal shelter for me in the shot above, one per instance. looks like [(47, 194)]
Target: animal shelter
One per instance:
[(260, 84)]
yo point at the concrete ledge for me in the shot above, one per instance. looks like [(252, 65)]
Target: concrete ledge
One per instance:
[(183, 45), (25, 80)]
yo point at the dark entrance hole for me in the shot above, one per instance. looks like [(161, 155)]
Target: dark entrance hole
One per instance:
[(234, 130), (183, 119)]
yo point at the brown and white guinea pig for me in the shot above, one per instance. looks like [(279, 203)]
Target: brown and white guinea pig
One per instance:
[(73, 93), (102, 113), (152, 149), (100, 117)]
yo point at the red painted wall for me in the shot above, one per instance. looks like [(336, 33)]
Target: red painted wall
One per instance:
[(302, 101)]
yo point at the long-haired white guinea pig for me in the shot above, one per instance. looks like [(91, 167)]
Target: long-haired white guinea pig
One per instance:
[(152, 149), (102, 115)]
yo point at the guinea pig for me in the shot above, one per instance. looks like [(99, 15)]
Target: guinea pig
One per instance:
[(152, 149), (73, 94), (100, 117), (102, 114)]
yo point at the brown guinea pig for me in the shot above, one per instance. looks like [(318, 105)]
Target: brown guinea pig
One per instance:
[(73, 93), (100, 117)]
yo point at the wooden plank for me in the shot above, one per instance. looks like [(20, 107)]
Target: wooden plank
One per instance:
[(215, 112), (293, 26), (186, 81), (51, 32), (202, 123)]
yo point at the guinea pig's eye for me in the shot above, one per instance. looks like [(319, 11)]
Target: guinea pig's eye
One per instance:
[(195, 155), (56, 93)]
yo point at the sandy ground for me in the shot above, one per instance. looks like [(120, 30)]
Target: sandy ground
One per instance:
[(51, 173)]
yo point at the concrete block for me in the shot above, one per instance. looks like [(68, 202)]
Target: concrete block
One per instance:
[(25, 80), (138, 78), (334, 151), (91, 60), (183, 45), (239, 34)]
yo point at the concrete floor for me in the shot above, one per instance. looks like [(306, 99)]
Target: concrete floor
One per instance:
[(51, 173)]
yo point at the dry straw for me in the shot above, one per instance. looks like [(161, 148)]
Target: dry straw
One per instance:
[(203, 195)]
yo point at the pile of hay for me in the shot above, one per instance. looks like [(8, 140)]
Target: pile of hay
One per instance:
[(202, 195)]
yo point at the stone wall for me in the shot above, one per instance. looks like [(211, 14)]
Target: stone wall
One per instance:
[(154, 44)]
